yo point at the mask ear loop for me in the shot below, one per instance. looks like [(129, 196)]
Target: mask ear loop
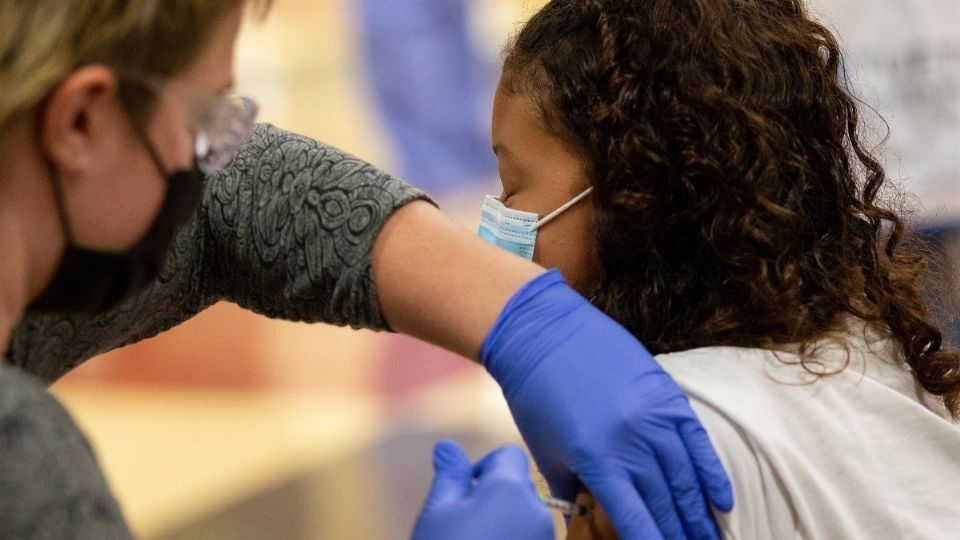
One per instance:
[(56, 180), (155, 86), (553, 215), (141, 133)]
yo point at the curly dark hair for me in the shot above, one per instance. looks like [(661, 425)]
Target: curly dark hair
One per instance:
[(735, 200)]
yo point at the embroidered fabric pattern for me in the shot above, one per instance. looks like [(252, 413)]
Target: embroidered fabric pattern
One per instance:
[(286, 230)]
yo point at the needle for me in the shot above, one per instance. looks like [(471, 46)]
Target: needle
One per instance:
[(566, 508)]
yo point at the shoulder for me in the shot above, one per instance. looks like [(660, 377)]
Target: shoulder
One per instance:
[(859, 368), (786, 427), (767, 394)]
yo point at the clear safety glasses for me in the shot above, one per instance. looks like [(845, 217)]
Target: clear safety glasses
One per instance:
[(222, 125), (222, 130)]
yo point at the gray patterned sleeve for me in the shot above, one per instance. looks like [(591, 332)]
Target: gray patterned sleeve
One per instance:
[(287, 231)]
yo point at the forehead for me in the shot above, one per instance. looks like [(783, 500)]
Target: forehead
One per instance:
[(213, 68), (529, 155), (517, 126)]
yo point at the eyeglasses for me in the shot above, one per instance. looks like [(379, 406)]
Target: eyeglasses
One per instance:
[(222, 125), (225, 128)]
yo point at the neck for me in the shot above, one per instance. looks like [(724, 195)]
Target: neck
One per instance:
[(13, 272), (31, 238)]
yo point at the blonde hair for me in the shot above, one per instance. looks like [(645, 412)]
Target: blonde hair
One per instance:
[(43, 41)]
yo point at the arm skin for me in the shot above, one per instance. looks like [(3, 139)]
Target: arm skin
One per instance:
[(439, 282)]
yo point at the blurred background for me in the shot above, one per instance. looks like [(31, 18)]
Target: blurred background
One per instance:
[(235, 426)]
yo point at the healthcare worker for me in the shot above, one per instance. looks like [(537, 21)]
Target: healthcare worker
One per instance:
[(111, 113)]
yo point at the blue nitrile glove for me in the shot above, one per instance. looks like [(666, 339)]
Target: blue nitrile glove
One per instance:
[(493, 500), (593, 404)]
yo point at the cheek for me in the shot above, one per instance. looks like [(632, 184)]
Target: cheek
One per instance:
[(116, 205), (550, 250), (172, 139), (567, 244), (560, 247)]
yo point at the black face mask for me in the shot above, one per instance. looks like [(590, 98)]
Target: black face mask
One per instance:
[(89, 282)]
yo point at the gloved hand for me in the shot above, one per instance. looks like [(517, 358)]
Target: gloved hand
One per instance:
[(593, 404), (494, 500)]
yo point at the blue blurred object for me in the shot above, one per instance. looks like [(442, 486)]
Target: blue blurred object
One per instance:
[(944, 239), (492, 500), (433, 90)]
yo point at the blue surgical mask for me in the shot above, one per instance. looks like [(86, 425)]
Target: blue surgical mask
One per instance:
[(515, 230)]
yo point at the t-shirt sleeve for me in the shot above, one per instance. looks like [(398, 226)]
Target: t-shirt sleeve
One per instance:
[(290, 229), (287, 230), (761, 505)]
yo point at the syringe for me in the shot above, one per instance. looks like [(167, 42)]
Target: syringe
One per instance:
[(565, 507)]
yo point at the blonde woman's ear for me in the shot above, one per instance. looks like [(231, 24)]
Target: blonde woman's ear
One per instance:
[(79, 111)]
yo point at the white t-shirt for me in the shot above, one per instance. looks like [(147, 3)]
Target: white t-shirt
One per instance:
[(860, 454)]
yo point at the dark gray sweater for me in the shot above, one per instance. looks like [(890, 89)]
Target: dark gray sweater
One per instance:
[(287, 231)]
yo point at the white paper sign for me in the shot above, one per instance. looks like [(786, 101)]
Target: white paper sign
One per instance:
[(903, 58)]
